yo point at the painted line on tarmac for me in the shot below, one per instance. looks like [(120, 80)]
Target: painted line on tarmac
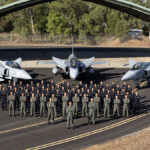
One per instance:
[(29, 126), (77, 137)]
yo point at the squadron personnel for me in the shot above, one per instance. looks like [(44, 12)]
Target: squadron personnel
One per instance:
[(42, 105), (54, 100), (107, 102), (32, 104), (65, 99), (11, 99), (126, 102), (136, 103), (70, 114), (75, 100), (116, 106), (23, 104), (97, 101), (84, 105), (50, 107), (92, 107)]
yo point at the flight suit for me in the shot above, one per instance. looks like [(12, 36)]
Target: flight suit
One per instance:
[(50, 107), (11, 100), (84, 106), (70, 113), (116, 107), (32, 105), (75, 103), (136, 103), (23, 105), (126, 107), (64, 100), (107, 102), (97, 101), (54, 100), (42, 105), (4, 100), (92, 108)]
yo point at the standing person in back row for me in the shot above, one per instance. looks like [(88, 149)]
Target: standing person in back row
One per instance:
[(11, 99), (70, 114), (23, 104), (4, 99), (32, 105), (84, 105), (116, 106), (42, 105), (75, 100), (54, 100), (97, 101), (126, 102), (50, 107), (107, 102), (136, 103), (65, 100), (92, 108)]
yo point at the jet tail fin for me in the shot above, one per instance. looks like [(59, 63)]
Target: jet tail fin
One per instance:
[(132, 62), (72, 47), (18, 60)]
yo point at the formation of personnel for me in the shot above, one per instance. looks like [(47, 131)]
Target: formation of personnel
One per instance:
[(50, 99)]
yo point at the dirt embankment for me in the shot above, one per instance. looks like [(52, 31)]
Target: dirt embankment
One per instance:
[(135, 141)]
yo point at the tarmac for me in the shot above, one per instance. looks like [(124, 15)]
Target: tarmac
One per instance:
[(17, 133)]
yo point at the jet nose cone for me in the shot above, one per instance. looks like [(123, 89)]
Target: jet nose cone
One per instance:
[(73, 73), (24, 75), (130, 75)]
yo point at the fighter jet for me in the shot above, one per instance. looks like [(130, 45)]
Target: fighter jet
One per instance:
[(139, 72), (11, 70), (72, 66)]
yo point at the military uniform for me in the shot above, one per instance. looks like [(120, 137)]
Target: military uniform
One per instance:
[(64, 100), (126, 102), (50, 107), (23, 105), (11, 100), (136, 103), (107, 102), (92, 108), (116, 107), (4, 99), (42, 105), (70, 113), (84, 106), (97, 101), (75, 103), (32, 105), (54, 100)]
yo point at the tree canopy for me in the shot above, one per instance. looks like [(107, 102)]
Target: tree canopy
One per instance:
[(70, 17)]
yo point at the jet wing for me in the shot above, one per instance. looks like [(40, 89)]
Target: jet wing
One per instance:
[(59, 62), (131, 63), (45, 62), (90, 61)]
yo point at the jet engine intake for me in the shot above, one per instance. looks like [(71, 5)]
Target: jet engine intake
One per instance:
[(147, 73)]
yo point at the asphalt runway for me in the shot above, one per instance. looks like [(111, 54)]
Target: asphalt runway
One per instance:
[(40, 53), (17, 133)]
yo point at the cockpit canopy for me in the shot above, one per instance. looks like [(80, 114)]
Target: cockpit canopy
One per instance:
[(13, 64), (73, 63), (138, 66)]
